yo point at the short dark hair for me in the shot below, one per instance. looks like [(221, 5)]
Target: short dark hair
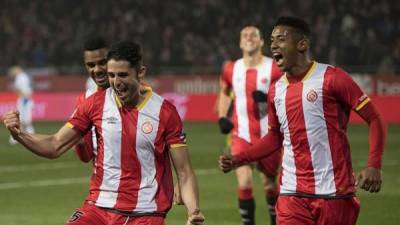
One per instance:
[(94, 43), (297, 24), (126, 50)]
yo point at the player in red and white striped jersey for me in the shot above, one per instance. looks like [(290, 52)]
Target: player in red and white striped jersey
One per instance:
[(139, 133), (309, 113), (249, 79), (95, 59)]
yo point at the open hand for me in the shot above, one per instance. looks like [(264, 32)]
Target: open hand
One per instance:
[(195, 218)]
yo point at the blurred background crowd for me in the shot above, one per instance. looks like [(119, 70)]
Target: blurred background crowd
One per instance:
[(182, 37)]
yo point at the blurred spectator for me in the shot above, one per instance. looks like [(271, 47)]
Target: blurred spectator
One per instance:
[(194, 36)]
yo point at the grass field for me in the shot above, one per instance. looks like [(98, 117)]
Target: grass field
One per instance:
[(36, 191)]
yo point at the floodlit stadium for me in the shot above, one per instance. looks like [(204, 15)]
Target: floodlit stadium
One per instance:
[(186, 48)]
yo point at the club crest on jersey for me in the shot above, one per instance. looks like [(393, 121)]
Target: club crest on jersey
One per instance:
[(75, 216), (147, 127), (264, 80), (312, 96)]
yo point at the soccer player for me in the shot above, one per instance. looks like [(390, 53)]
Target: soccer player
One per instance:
[(95, 60), (308, 114), (139, 133), (247, 81), (23, 87)]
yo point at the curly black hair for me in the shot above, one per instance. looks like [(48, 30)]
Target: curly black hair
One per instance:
[(94, 43), (299, 25)]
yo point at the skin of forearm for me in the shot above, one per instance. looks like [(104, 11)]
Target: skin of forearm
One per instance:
[(189, 190), (223, 104), (43, 145)]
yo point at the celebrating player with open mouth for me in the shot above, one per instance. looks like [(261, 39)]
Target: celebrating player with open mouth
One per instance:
[(309, 109), (139, 133)]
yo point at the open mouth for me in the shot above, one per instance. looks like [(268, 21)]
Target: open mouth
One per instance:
[(278, 57), (121, 92), (101, 78)]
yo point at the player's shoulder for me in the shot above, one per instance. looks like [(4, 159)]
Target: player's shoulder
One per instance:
[(228, 66), (334, 72)]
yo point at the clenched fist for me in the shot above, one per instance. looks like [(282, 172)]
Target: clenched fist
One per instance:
[(11, 121)]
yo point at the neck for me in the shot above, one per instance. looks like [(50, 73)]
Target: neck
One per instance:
[(137, 99), (252, 60), (300, 67)]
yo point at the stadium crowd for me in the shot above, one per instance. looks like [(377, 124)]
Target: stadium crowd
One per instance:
[(196, 36)]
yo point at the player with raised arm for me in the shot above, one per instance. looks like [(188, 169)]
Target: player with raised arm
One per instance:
[(309, 110), (139, 134), (247, 81)]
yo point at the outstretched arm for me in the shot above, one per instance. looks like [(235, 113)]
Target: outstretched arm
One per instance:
[(48, 146)]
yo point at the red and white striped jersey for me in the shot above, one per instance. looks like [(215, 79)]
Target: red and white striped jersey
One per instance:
[(90, 139), (249, 118), (312, 113), (133, 171)]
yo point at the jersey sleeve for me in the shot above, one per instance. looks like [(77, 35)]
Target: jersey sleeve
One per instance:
[(80, 119), (347, 91), (174, 135), (273, 122), (226, 76)]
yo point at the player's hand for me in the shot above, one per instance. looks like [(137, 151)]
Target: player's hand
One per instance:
[(12, 123), (225, 125), (195, 218), (259, 96), (177, 195), (370, 179), (227, 163)]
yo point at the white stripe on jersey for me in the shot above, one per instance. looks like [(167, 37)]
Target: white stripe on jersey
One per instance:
[(263, 82), (111, 128), (88, 93), (289, 182), (239, 88), (145, 153), (317, 133)]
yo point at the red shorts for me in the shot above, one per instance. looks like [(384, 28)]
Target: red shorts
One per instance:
[(293, 210), (90, 214), (269, 165)]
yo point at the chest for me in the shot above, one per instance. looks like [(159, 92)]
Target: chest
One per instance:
[(128, 128)]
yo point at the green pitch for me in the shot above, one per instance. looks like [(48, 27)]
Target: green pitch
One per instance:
[(36, 191)]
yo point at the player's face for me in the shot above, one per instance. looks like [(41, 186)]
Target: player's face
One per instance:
[(125, 80), (285, 47), (250, 40), (96, 65)]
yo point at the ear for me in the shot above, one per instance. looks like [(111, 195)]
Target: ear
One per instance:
[(141, 73), (303, 45)]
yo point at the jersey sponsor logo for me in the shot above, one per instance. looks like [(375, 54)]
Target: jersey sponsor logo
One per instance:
[(75, 216), (147, 127), (111, 120), (312, 96)]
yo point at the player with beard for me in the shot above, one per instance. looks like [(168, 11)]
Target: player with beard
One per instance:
[(139, 135)]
